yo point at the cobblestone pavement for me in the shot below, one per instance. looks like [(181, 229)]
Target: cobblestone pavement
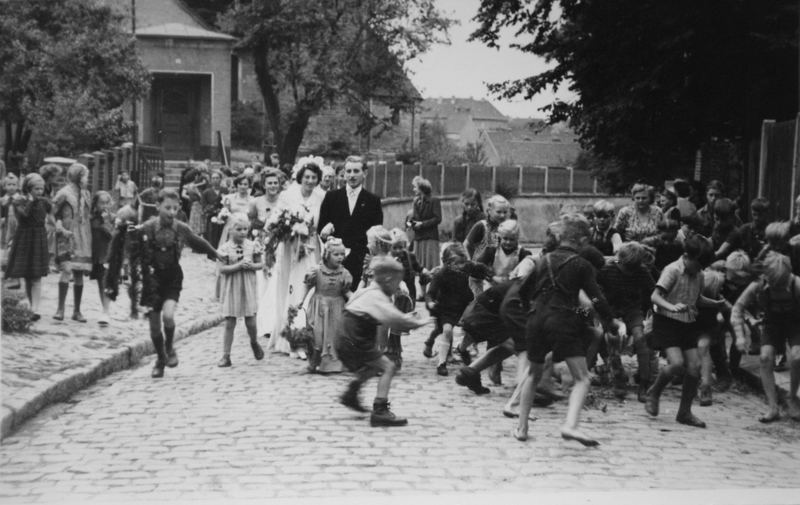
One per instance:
[(267, 429), (35, 364)]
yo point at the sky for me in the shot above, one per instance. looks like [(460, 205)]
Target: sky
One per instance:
[(462, 68)]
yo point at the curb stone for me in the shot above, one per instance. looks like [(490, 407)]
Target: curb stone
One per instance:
[(62, 386)]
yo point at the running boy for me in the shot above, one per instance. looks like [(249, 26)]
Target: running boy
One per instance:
[(162, 240), (355, 341), (676, 297)]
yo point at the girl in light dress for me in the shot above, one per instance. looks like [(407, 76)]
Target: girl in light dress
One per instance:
[(331, 283), (294, 257), (238, 201), (239, 298)]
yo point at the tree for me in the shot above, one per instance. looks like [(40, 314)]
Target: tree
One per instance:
[(68, 68), (311, 53), (655, 79), (475, 153), (435, 147)]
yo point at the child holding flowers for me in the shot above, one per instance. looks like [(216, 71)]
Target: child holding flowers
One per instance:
[(240, 259), (331, 282)]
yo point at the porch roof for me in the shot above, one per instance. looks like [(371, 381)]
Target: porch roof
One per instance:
[(180, 30)]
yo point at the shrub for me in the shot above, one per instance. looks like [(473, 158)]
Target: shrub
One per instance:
[(16, 313)]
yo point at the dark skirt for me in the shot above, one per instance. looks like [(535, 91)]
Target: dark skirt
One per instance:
[(427, 252), (28, 257)]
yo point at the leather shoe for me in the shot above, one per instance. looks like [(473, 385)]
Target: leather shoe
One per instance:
[(258, 352), (442, 370), (172, 358), (225, 362), (690, 420), (158, 370)]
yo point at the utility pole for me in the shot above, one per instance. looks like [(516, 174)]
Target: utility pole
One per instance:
[(134, 126)]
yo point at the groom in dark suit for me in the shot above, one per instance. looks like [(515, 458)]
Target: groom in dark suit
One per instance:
[(348, 212)]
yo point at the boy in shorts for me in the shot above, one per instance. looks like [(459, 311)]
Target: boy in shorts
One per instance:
[(677, 295), (355, 341), (162, 239), (778, 293)]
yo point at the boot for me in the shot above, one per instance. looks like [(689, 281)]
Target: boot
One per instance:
[(641, 394), (172, 356), (350, 397), (688, 393), (654, 393), (77, 292), (382, 416), (472, 380), (63, 289), (161, 360)]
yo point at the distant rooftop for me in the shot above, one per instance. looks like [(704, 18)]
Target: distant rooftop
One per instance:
[(442, 108)]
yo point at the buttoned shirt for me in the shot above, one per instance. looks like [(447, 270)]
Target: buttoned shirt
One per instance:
[(352, 197), (678, 286)]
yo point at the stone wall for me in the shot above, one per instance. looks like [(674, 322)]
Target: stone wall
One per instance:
[(534, 212)]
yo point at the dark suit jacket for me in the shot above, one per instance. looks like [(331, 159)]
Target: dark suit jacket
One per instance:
[(351, 229)]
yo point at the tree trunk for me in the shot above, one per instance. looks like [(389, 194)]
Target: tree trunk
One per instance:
[(290, 143)]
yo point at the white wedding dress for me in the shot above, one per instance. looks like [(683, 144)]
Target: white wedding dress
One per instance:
[(284, 287)]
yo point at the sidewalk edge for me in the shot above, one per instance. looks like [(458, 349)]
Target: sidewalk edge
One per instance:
[(64, 388)]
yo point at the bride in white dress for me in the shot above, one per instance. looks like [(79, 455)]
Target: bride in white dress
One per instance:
[(293, 257)]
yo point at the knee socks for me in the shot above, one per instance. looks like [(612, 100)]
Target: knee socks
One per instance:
[(158, 344), (169, 333), (77, 295)]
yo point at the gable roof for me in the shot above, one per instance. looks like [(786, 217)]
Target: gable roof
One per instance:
[(445, 108), (153, 13), (530, 151)]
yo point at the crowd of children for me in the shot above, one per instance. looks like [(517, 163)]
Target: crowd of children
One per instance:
[(672, 280)]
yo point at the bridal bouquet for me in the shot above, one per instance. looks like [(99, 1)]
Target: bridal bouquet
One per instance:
[(288, 224), (222, 217)]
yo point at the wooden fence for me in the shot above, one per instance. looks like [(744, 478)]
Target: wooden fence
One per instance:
[(393, 180), (779, 165)]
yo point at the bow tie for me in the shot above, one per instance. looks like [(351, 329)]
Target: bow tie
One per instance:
[(352, 193)]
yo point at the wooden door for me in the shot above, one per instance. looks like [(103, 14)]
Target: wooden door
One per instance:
[(176, 117)]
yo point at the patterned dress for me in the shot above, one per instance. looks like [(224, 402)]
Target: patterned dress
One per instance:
[(73, 209), (238, 294), (325, 310), (633, 225)]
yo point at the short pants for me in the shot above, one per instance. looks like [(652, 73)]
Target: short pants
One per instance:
[(668, 332), (556, 329), (780, 329)]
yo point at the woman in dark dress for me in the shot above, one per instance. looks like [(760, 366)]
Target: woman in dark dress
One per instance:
[(212, 203), (424, 221)]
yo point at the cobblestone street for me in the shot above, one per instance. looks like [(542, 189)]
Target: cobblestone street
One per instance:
[(269, 430)]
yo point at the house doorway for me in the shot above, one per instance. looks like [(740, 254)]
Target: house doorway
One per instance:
[(176, 124)]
